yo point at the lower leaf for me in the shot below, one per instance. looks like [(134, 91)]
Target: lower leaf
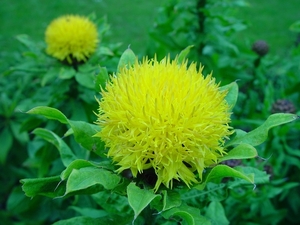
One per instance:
[(190, 214), (139, 199), (220, 171), (49, 186)]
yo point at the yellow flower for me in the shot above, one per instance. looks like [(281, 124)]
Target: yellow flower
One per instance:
[(71, 38), (164, 116)]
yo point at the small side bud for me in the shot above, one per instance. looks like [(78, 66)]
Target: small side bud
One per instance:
[(260, 47)]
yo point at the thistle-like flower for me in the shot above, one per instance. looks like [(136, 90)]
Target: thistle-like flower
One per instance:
[(166, 116), (71, 38)]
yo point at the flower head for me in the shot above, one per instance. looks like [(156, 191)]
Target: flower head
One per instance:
[(71, 38), (165, 116)]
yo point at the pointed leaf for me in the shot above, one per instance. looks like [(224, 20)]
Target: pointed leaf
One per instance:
[(83, 131), (127, 59), (66, 73), (260, 134), (68, 132), (49, 113), (66, 154), (85, 79), (182, 55), (220, 171), (30, 44), (191, 215), (216, 213), (232, 94), (242, 151), (76, 164), (86, 177), (139, 199), (260, 177), (105, 51), (84, 134), (48, 186), (101, 78), (171, 199)]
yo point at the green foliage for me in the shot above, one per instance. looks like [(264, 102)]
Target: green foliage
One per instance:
[(232, 93), (183, 54), (212, 27), (260, 134), (216, 213), (207, 25), (220, 171), (191, 215), (242, 151), (85, 177), (65, 175), (139, 199)]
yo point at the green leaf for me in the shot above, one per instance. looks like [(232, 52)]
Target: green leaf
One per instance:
[(127, 59), (22, 137), (232, 94), (66, 73), (85, 79), (87, 68), (242, 151), (84, 220), (105, 51), (83, 131), (220, 171), (170, 199), (84, 135), (260, 134), (49, 113), (216, 213), (114, 203), (295, 27), (139, 199), (76, 164), (17, 202), (6, 141), (101, 78), (68, 132), (90, 212), (30, 44), (260, 177), (51, 74), (66, 154), (86, 177), (190, 214), (182, 55), (49, 186)]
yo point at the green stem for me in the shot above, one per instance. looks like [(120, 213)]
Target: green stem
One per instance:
[(201, 21)]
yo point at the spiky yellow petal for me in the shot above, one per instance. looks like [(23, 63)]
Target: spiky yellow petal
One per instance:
[(165, 116), (71, 38)]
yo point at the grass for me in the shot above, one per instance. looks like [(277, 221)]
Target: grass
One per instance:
[(270, 21), (131, 20)]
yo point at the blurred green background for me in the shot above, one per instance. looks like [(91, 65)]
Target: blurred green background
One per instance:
[(130, 20)]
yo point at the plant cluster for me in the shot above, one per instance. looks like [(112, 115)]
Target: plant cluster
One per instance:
[(91, 135), (268, 84)]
